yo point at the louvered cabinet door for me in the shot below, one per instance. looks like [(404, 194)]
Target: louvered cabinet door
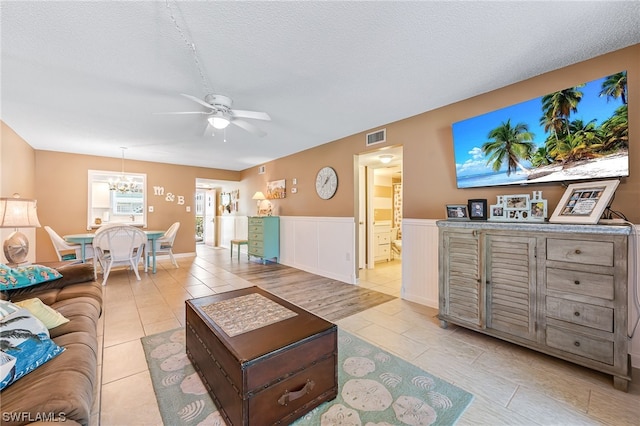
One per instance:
[(460, 297), (510, 284)]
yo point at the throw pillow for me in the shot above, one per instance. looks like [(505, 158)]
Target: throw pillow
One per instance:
[(49, 316), (25, 276), (25, 345), (7, 308)]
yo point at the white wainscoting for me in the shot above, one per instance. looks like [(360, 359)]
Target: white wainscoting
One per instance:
[(420, 261), (321, 245), (232, 227), (634, 289)]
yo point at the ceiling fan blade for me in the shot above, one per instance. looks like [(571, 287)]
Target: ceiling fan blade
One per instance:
[(200, 101), (250, 114), (183, 112), (249, 127)]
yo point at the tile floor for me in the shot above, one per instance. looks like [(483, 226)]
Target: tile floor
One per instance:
[(512, 385)]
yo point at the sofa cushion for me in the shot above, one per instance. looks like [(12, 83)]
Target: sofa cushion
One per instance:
[(26, 276), (91, 289), (24, 337), (63, 385), (49, 316), (83, 313)]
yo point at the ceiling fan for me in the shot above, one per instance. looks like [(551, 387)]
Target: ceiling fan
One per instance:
[(220, 114)]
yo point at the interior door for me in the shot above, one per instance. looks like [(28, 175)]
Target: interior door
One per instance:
[(210, 217), (362, 217)]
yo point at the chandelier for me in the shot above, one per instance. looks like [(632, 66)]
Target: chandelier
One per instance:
[(124, 184)]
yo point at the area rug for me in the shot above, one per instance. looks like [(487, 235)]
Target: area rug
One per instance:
[(375, 388)]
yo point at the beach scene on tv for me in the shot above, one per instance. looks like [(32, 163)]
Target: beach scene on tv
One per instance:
[(578, 133)]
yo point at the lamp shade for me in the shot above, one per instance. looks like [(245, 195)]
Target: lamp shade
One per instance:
[(18, 213), (258, 196)]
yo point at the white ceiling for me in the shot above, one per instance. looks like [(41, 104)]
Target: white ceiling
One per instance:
[(87, 77)]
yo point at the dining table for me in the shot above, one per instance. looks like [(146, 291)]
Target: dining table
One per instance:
[(87, 238)]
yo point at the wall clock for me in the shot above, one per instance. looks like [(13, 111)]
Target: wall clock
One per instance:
[(326, 183)]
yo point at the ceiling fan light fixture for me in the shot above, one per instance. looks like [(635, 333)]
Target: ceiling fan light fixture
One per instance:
[(218, 121)]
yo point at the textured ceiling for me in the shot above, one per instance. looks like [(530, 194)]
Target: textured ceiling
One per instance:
[(88, 77)]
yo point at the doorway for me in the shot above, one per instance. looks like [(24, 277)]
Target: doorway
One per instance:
[(379, 211)]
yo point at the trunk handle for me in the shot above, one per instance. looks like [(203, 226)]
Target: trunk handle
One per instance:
[(292, 396)]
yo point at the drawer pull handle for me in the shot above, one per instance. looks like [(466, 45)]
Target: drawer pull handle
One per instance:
[(576, 314), (292, 396), (576, 343), (578, 251), (577, 282)]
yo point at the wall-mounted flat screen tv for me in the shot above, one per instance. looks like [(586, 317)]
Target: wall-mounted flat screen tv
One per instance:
[(578, 133)]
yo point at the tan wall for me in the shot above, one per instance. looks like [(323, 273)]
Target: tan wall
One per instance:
[(429, 166), (17, 165), (17, 175), (61, 190)]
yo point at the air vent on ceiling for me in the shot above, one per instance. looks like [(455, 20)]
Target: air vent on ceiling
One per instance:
[(261, 169), (376, 137)]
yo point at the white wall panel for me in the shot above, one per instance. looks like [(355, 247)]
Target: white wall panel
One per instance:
[(634, 289), (320, 245), (420, 261), (232, 227)]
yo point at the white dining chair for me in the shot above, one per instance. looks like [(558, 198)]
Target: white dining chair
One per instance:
[(64, 248), (164, 244), (121, 245)]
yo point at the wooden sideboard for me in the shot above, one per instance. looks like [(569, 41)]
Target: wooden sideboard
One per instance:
[(264, 237), (557, 289)]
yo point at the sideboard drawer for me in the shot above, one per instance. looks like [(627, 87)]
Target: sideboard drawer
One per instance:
[(580, 282), (593, 316), (579, 251), (579, 344)]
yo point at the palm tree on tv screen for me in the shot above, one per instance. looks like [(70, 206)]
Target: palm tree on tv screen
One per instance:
[(510, 144), (557, 108), (615, 86)]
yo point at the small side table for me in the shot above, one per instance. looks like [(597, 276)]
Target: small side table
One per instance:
[(238, 243)]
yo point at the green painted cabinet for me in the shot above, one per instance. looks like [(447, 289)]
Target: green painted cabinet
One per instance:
[(264, 237)]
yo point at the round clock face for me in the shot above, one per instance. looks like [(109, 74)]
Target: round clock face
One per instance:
[(326, 183)]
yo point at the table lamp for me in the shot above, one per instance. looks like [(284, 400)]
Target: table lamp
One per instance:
[(264, 205), (17, 213)]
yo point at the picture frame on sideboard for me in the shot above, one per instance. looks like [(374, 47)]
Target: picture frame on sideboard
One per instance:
[(585, 202)]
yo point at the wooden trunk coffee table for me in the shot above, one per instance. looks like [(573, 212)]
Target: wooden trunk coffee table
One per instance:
[(264, 360)]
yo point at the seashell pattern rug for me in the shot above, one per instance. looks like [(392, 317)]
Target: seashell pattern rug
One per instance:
[(375, 388)]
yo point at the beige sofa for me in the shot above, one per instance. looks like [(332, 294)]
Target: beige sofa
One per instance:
[(62, 388)]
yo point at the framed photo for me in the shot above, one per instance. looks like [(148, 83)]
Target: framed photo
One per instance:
[(516, 202), (457, 212), (477, 209), (584, 202), (538, 210), (496, 212)]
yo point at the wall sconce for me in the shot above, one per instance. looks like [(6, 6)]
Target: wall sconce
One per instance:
[(17, 213), (385, 158)]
